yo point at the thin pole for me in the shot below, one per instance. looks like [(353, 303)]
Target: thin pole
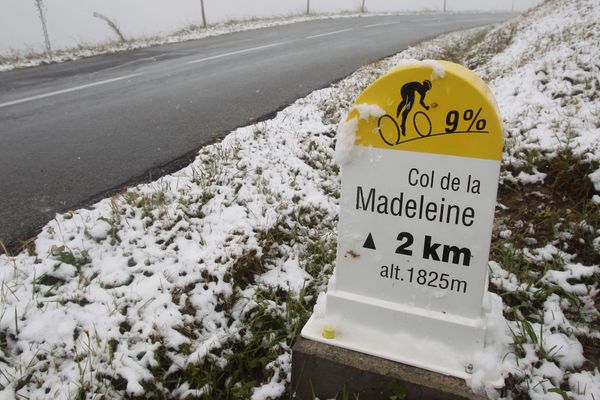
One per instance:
[(307, 7), (512, 6), (203, 14), (444, 5), (362, 8), (39, 4)]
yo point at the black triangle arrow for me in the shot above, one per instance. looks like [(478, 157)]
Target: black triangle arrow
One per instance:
[(369, 243)]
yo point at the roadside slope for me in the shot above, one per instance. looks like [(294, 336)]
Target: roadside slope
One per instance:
[(197, 285)]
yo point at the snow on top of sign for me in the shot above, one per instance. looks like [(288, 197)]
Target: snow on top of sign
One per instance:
[(438, 71), (367, 111), (346, 136), (346, 133)]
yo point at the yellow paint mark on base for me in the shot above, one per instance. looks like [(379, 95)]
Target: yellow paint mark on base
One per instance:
[(328, 332)]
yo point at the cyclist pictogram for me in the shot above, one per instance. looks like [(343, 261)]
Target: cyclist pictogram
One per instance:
[(388, 126), (408, 92)]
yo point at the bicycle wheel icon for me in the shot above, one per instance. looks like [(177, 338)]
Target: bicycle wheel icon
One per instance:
[(388, 130), (422, 124)]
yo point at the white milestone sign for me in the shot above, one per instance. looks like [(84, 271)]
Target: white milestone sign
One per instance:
[(420, 154)]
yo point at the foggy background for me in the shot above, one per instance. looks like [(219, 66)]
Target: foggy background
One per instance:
[(71, 22)]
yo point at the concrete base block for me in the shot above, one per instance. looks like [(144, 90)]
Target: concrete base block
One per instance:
[(324, 371)]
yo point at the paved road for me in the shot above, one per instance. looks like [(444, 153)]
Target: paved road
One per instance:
[(72, 133)]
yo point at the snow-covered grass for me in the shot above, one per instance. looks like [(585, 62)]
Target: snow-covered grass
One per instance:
[(197, 285), (546, 253)]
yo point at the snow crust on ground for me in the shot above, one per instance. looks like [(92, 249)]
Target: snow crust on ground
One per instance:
[(546, 84), (112, 287), (171, 277), (546, 79)]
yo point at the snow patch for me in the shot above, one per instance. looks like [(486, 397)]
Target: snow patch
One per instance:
[(290, 277), (345, 151), (595, 178), (99, 230), (486, 373), (586, 385)]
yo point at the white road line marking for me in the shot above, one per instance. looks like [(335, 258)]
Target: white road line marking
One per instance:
[(328, 33), (234, 53), (381, 24), (73, 89)]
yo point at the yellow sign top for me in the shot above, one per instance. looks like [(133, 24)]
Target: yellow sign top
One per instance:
[(434, 107)]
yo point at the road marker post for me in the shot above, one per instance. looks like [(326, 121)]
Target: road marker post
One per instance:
[(420, 153)]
